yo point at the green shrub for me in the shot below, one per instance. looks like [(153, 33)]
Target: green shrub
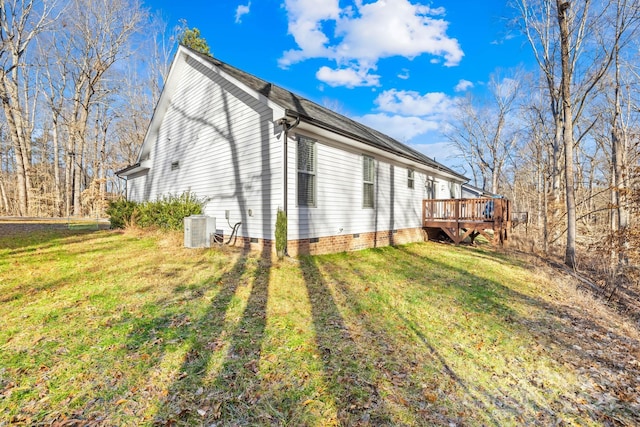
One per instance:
[(167, 212), (281, 233), (121, 212)]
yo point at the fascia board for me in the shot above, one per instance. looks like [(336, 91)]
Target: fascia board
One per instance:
[(162, 106), (278, 111), (309, 129)]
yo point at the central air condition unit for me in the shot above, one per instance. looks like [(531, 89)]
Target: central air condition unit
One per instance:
[(198, 230)]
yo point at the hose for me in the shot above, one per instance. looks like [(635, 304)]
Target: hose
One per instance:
[(234, 230)]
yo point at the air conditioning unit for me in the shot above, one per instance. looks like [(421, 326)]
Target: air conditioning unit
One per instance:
[(198, 230)]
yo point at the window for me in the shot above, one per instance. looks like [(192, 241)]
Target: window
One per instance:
[(430, 189), (410, 176), (175, 165), (368, 179), (306, 172)]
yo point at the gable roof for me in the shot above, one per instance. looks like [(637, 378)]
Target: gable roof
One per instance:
[(315, 114)]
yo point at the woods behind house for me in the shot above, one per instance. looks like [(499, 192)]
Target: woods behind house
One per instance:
[(79, 80)]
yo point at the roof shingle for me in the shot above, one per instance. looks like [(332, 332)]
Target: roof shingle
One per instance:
[(317, 114)]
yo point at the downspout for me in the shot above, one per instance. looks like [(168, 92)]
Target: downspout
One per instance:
[(286, 127), (126, 186)]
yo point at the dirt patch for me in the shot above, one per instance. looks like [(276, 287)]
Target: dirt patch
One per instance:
[(13, 227)]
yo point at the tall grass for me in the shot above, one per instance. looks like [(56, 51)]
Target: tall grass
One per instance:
[(129, 328)]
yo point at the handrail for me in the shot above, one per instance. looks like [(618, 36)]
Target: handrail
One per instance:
[(476, 210)]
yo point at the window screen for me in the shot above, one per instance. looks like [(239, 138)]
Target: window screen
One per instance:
[(306, 172), (368, 179), (410, 176)]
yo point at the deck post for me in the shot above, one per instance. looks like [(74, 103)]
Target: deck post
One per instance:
[(462, 218), (457, 213)]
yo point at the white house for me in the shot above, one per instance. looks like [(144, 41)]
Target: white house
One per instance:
[(250, 148), (471, 192)]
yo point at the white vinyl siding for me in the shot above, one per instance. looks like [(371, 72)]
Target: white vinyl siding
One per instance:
[(368, 181), (339, 194), (230, 152), (227, 149), (306, 172)]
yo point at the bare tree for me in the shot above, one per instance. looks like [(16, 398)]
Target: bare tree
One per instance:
[(561, 34), (538, 153), (20, 22), (625, 27), (99, 36), (91, 115), (486, 129)]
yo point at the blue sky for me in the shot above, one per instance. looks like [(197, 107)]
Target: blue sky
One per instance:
[(395, 65)]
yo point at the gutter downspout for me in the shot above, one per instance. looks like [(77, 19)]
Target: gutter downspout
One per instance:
[(126, 186), (286, 127)]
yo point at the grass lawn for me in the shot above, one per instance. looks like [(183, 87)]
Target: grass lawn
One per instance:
[(126, 328)]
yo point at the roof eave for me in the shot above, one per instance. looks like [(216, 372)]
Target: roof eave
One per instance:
[(130, 170), (326, 126)]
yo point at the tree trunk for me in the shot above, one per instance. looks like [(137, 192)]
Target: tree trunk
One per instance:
[(77, 177), (567, 132), (619, 170), (16, 125), (56, 167), (68, 176), (4, 198)]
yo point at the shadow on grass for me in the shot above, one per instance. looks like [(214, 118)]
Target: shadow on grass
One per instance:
[(47, 245), (217, 378), (349, 372), (557, 332), (25, 240), (475, 300), (397, 360)]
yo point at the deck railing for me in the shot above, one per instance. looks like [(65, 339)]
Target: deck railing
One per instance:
[(466, 210)]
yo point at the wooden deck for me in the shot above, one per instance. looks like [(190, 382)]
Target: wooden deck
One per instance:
[(462, 218)]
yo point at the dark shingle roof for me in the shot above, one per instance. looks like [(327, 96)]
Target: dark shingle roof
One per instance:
[(311, 112)]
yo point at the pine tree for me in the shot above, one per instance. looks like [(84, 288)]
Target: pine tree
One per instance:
[(192, 39)]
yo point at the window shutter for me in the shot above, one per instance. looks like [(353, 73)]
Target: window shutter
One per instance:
[(306, 172)]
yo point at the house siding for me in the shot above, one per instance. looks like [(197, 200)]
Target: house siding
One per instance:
[(339, 210), (227, 149), (219, 127)]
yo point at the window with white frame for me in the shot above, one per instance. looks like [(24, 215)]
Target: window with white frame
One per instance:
[(430, 188), (306, 172), (410, 178), (368, 180)]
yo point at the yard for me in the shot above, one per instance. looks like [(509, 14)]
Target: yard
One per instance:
[(129, 328)]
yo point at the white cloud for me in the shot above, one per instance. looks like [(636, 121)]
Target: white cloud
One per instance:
[(410, 116), (396, 28), (348, 77), (413, 103), (365, 33), (404, 75), (242, 10), (402, 128), (443, 152), (463, 85), (506, 87), (305, 25)]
